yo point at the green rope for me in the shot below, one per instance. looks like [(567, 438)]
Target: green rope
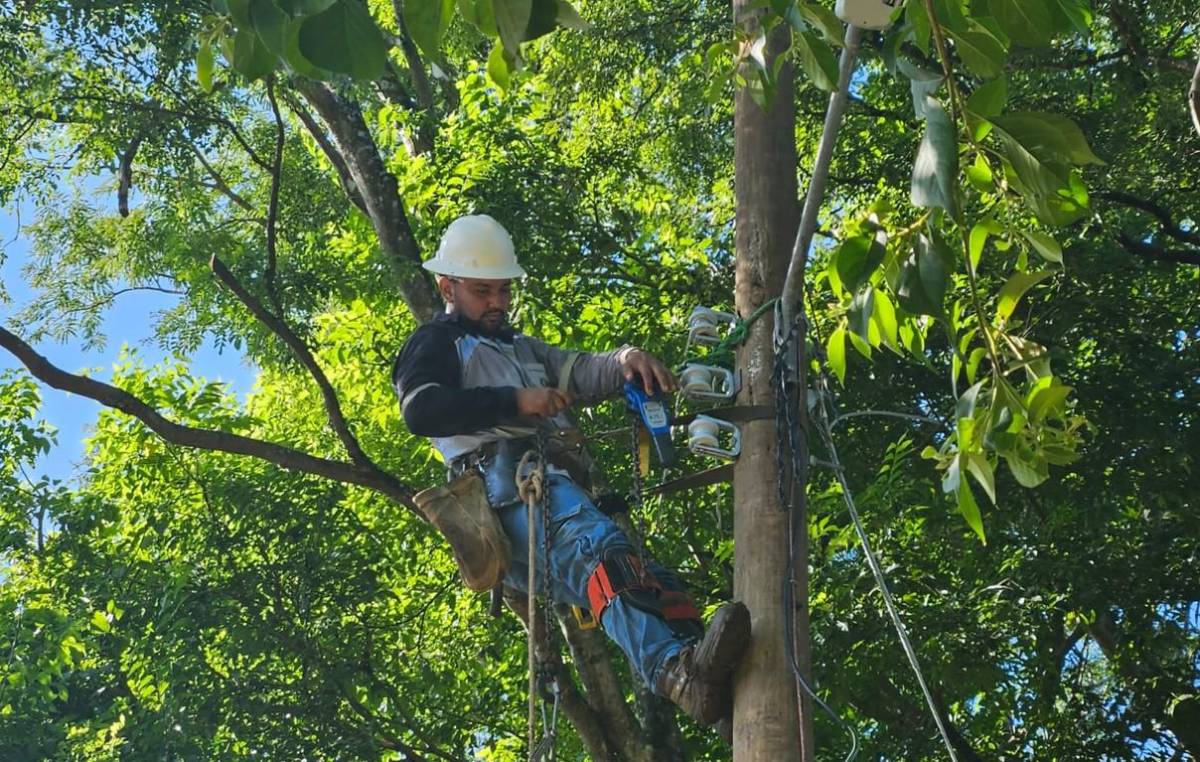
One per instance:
[(721, 354)]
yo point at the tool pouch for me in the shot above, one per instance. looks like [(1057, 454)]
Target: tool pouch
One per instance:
[(461, 512)]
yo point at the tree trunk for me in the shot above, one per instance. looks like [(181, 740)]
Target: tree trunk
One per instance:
[(766, 719)]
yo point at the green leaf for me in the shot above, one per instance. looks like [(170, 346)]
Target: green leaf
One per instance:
[(817, 60), (500, 66), (270, 24), (885, 318), (427, 21), (918, 17), (1027, 473), (979, 174), (1045, 245), (983, 54), (981, 468), (970, 510), (835, 353), (858, 257), (925, 276), (1046, 397), (861, 310), (569, 18), (1050, 137), (978, 239), (1027, 22), (100, 621), (512, 16), (935, 171), (239, 10), (861, 345), (204, 67), (1072, 14), (1014, 289), (543, 19), (344, 39), (248, 55), (480, 14), (1038, 179), (989, 99), (965, 407), (823, 20)]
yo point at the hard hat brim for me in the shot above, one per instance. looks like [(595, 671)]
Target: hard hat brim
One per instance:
[(485, 273)]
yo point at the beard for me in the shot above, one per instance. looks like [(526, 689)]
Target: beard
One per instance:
[(490, 324)]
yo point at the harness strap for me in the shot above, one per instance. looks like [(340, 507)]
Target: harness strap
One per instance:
[(618, 573), (677, 604)]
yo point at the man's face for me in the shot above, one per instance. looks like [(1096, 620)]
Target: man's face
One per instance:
[(482, 301)]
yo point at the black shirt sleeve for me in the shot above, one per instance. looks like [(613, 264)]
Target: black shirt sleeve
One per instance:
[(428, 381)]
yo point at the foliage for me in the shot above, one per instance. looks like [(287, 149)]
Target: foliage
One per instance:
[(1012, 209)]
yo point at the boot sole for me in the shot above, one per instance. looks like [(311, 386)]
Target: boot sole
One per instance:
[(719, 653)]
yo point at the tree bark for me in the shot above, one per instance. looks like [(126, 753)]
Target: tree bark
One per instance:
[(766, 717), (380, 194)]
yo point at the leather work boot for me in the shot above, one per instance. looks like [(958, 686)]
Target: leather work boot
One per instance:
[(697, 679)]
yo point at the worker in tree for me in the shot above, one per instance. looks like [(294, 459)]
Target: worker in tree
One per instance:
[(485, 394)]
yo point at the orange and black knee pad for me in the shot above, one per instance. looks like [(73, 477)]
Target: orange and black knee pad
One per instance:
[(621, 572)]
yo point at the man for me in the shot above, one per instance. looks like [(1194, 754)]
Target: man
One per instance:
[(484, 393)]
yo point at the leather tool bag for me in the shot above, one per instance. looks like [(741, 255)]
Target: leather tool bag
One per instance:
[(461, 512)]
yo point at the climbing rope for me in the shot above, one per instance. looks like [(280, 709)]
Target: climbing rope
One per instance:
[(531, 488)]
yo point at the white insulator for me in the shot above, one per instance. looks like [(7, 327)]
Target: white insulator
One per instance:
[(867, 14), (702, 433), (704, 325), (704, 437), (696, 380), (707, 382)]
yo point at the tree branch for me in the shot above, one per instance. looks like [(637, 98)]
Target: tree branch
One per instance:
[(331, 152), (1194, 97), (1149, 251), (1166, 223), (219, 183), (380, 193), (333, 408), (273, 205), (205, 439)]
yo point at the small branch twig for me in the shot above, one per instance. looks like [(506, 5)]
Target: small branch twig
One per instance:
[(333, 408)]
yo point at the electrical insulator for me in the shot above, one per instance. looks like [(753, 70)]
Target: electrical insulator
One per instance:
[(707, 382), (704, 325), (705, 434), (867, 14)]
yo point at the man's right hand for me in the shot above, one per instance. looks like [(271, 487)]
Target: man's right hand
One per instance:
[(542, 401)]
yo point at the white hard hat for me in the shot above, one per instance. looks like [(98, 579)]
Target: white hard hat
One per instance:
[(867, 14), (475, 246)]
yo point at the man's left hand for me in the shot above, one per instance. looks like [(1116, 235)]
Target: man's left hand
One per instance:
[(650, 368)]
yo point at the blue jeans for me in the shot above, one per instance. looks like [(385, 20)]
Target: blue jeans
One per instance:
[(579, 536)]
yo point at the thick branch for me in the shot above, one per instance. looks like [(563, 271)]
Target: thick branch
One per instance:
[(1194, 98), (589, 721), (205, 439), (1166, 223), (1149, 251), (333, 408), (273, 204), (380, 193)]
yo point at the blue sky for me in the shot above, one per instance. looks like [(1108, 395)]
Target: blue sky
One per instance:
[(128, 321)]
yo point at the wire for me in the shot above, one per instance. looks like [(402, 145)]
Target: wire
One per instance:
[(827, 415)]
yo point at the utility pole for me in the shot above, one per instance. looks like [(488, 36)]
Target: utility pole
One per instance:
[(770, 724)]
